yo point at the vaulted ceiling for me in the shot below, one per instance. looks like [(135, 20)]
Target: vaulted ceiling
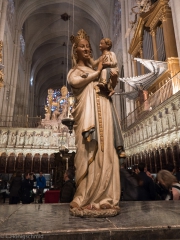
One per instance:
[(47, 35)]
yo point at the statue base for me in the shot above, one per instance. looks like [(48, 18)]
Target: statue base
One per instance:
[(94, 213)]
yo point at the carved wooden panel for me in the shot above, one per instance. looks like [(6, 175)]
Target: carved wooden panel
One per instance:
[(52, 162), (28, 163), (11, 163), (148, 162), (19, 163), (153, 168), (176, 155), (158, 164), (169, 155), (163, 158), (3, 163), (44, 163), (36, 163)]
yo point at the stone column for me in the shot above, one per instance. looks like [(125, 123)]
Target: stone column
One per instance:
[(153, 34), (14, 75), (124, 49), (4, 4)]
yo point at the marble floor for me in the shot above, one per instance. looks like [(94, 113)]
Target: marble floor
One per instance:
[(137, 221)]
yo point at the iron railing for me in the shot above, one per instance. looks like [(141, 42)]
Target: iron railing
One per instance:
[(20, 121)]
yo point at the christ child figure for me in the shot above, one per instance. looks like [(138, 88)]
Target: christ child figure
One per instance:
[(109, 65)]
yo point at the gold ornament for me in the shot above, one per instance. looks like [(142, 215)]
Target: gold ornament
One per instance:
[(81, 34)]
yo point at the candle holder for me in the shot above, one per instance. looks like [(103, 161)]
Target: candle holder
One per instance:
[(69, 122)]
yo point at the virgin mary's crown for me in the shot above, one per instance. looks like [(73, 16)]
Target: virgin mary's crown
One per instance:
[(81, 34)]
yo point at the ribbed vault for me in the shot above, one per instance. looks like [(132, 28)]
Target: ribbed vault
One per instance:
[(45, 33)]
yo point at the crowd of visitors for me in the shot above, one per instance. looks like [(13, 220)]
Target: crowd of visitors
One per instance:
[(138, 184), (21, 187)]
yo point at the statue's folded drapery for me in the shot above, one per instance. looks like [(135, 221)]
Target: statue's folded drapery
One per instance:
[(97, 132)]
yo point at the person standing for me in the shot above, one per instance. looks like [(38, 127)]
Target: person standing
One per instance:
[(14, 189), (147, 190), (68, 188), (41, 184), (27, 187)]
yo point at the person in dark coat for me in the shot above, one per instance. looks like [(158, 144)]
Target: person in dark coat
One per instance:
[(68, 190), (27, 187), (147, 190), (129, 185), (14, 189)]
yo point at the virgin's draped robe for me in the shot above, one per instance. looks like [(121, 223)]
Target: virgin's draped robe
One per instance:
[(96, 159)]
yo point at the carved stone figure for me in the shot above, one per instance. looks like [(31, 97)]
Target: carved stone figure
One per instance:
[(55, 115), (37, 139), (21, 139), (12, 140), (4, 137), (100, 166), (29, 139)]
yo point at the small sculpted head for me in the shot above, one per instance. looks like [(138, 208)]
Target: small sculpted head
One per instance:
[(105, 44)]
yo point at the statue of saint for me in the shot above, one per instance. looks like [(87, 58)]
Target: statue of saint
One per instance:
[(48, 113), (98, 137)]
